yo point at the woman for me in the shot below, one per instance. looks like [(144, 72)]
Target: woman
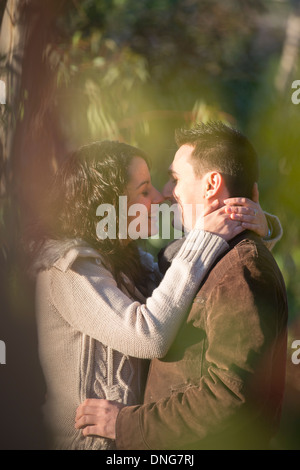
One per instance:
[(99, 311)]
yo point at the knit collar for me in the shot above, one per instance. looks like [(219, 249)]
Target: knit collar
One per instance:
[(61, 254)]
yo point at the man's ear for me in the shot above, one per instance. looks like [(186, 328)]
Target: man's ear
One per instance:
[(213, 184)]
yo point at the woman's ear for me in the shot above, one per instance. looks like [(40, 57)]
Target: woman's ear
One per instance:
[(214, 183)]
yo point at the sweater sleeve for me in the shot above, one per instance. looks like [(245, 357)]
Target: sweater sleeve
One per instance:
[(275, 229), (88, 298)]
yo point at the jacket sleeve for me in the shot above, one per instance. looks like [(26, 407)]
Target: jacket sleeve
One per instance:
[(240, 324), (87, 297)]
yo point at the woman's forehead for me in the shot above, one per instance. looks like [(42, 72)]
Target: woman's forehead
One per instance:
[(138, 172)]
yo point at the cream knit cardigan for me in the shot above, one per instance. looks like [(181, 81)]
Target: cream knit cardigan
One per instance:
[(94, 339)]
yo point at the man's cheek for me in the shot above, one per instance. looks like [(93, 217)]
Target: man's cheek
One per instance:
[(177, 221)]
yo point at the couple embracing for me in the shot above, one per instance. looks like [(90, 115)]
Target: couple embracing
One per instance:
[(210, 316)]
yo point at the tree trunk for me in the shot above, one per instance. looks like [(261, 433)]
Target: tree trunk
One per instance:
[(30, 143)]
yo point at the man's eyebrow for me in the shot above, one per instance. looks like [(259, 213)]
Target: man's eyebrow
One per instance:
[(142, 183)]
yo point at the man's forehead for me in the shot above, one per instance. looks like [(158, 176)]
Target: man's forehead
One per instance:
[(181, 158)]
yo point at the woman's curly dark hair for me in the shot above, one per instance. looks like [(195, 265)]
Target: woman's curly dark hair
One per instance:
[(95, 174)]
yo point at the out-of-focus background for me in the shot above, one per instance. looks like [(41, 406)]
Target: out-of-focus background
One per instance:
[(77, 71)]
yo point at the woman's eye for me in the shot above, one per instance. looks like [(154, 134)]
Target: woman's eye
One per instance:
[(145, 193)]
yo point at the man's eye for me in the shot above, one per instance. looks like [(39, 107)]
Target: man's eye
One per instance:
[(145, 193)]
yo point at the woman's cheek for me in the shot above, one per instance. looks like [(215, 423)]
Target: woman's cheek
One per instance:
[(139, 220)]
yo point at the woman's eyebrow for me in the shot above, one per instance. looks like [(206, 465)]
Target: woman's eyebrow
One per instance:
[(142, 183)]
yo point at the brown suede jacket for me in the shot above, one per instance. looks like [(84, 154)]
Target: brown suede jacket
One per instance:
[(221, 384)]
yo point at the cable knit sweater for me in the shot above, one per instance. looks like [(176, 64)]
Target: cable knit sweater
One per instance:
[(94, 338)]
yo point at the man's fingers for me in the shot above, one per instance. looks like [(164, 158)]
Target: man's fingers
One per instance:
[(91, 405), (100, 414), (86, 420), (96, 425), (96, 402), (91, 431), (87, 411)]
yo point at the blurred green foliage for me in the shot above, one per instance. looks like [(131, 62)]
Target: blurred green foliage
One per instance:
[(136, 70)]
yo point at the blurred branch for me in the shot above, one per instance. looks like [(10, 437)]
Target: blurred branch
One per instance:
[(290, 53), (12, 41), (200, 112)]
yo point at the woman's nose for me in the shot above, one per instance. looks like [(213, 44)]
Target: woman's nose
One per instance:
[(157, 197), (167, 191)]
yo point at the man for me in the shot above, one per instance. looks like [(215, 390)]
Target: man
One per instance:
[(221, 384)]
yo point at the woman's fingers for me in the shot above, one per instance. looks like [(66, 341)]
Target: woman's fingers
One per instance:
[(248, 226), (240, 205), (244, 217), (256, 222), (252, 211), (249, 213), (239, 201), (213, 207)]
